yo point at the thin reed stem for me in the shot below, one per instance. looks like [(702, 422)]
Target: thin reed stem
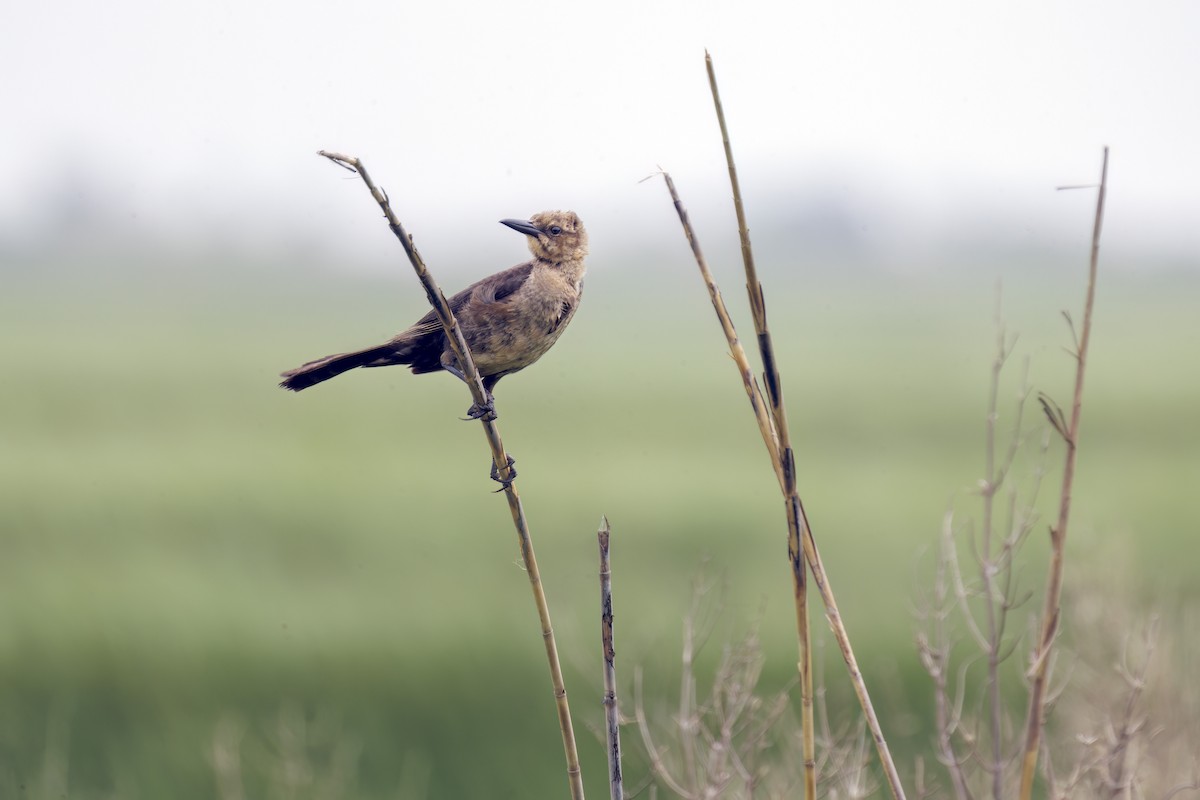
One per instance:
[(761, 414), (612, 716), (795, 510), (499, 457), (800, 537), (783, 453), (1039, 671)]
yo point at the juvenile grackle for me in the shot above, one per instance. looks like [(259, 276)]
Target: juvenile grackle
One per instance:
[(509, 319)]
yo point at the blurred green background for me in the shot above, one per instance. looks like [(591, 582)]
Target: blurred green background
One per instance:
[(197, 566)]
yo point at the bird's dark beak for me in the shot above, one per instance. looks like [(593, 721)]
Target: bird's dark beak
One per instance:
[(523, 225)]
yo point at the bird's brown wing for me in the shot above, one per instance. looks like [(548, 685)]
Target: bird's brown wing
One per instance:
[(495, 288), (491, 289), (421, 345)]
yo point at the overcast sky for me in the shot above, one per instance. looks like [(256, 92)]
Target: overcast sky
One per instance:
[(201, 118)]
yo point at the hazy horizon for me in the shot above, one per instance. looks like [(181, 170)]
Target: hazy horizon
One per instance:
[(894, 133)]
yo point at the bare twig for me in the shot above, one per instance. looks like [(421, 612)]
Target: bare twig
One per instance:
[(1119, 770), (991, 483), (716, 741), (934, 650), (499, 457), (785, 458), (1193, 786), (761, 414), (808, 543), (612, 716), (973, 747), (657, 765), (994, 561), (772, 423), (1058, 533)]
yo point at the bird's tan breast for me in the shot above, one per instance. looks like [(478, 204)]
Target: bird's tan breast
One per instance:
[(532, 320)]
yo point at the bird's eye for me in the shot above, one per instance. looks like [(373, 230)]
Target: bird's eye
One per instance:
[(555, 230)]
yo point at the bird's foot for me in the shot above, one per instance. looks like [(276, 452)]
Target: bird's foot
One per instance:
[(486, 411), (512, 474)]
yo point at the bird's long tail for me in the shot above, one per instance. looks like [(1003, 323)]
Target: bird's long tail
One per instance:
[(323, 369)]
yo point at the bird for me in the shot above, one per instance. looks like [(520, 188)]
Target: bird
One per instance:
[(509, 319)]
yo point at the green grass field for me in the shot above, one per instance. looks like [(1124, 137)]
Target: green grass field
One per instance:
[(324, 584)]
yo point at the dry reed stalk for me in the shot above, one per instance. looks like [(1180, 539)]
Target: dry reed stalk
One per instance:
[(1039, 671), (749, 382), (795, 512), (499, 457), (612, 716), (785, 457), (772, 421)]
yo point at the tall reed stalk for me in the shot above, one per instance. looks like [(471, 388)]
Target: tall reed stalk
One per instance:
[(499, 457)]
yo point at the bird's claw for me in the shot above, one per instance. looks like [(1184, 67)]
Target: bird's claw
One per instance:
[(512, 475), (486, 411)]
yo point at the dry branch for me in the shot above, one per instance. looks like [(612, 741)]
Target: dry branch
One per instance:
[(786, 462), (772, 423), (499, 457), (783, 452), (1039, 671), (973, 745), (720, 736), (807, 543), (612, 716)]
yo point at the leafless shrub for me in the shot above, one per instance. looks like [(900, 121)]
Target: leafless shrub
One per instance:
[(1129, 727), (736, 739)]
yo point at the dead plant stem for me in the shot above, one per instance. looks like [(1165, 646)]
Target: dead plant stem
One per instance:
[(800, 538), (612, 715), (1039, 672), (499, 457), (991, 484), (784, 456), (796, 512)]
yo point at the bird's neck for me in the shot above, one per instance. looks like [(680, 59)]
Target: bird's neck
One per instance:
[(571, 270)]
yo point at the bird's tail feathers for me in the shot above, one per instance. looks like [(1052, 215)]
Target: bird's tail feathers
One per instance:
[(323, 369)]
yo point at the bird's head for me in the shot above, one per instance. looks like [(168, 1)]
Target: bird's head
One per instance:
[(554, 236)]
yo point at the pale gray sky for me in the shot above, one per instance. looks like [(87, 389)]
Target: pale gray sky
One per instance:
[(200, 118)]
